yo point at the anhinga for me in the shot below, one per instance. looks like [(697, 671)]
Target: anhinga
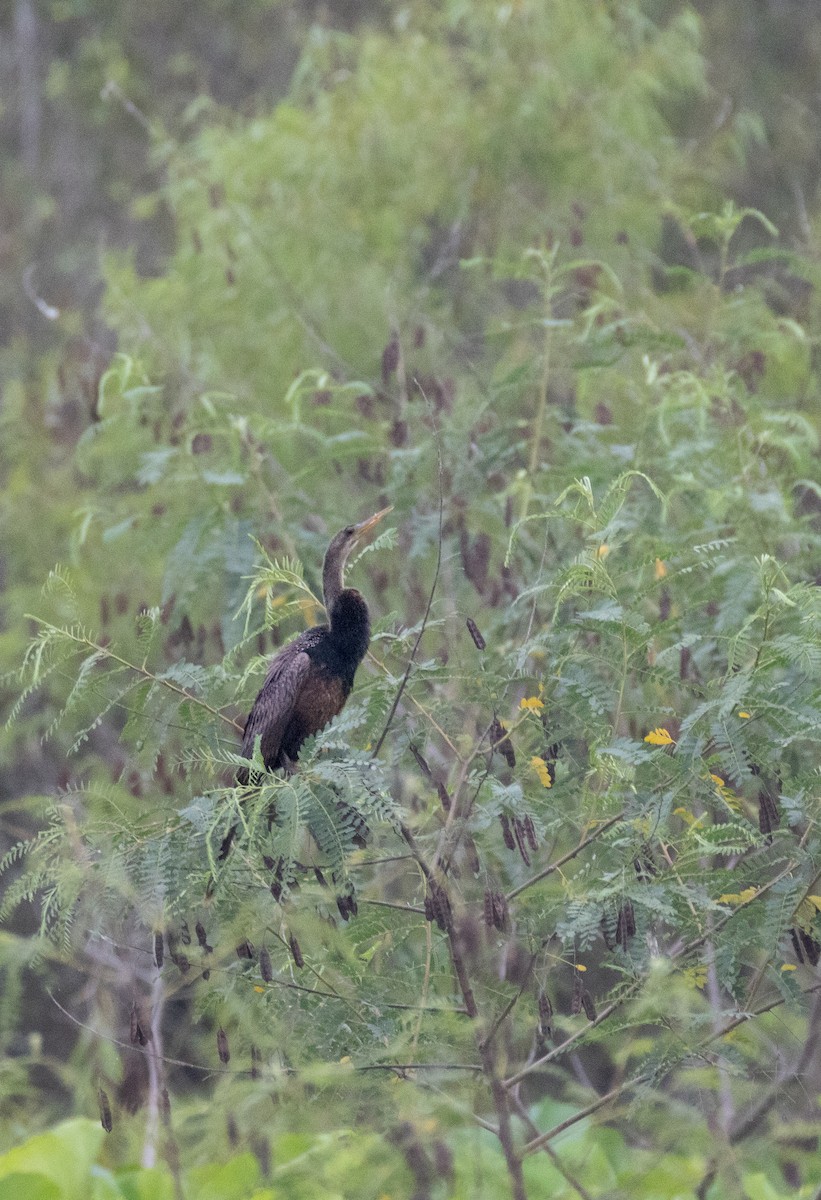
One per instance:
[(309, 680)]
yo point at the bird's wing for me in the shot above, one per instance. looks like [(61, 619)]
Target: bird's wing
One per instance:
[(274, 705)]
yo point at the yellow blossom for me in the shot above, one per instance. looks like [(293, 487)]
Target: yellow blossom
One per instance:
[(736, 898), (789, 967), (661, 569), (540, 767), (531, 703), (745, 715), (660, 737), (580, 967), (602, 551)]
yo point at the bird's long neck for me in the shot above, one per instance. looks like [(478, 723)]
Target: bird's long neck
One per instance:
[(332, 581)]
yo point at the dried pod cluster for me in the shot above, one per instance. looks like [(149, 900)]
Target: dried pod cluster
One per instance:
[(497, 913), (437, 906), (501, 743), (519, 833), (807, 949)]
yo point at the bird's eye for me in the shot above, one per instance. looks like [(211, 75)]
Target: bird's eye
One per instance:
[(351, 529)]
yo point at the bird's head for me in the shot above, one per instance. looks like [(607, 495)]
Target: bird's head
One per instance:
[(338, 552)]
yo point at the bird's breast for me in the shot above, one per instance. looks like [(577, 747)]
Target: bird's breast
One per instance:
[(320, 700)]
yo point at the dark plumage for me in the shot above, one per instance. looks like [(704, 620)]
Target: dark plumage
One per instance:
[(309, 680)]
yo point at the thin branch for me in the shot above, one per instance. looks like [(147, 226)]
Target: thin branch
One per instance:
[(539, 1142), (156, 1074), (554, 866), (242, 1073), (428, 607), (406, 908), (141, 670), (637, 984), (524, 1117)]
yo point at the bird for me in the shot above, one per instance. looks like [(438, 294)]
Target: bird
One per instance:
[(309, 680)]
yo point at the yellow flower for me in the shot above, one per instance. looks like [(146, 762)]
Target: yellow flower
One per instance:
[(661, 569), (531, 703), (736, 898), (660, 737), (789, 967), (540, 767), (602, 551), (580, 967), (745, 715)]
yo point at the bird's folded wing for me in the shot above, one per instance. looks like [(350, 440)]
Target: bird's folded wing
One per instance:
[(274, 705)]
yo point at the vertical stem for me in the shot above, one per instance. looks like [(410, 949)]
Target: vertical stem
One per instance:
[(156, 1075), (501, 1101), (538, 424)]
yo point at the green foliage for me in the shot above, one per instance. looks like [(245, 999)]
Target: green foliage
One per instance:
[(603, 460)]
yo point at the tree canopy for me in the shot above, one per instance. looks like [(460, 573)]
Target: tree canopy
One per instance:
[(542, 277)]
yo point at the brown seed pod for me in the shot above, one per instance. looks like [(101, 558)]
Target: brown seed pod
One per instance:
[(232, 1130), (420, 762), (530, 833), (501, 912), (545, 1015), (444, 798), (437, 906), (768, 815), (134, 1025), (165, 1108), (501, 743), (347, 905), (105, 1111), (178, 959), (185, 935), (202, 937), (222, 1046), (206, 975), (159, 949), (625, 924), (796, 945), (488, 907), (665, 604), (576, 1000), (473, 629), (588, 1005), (265, 967), (644, 866), (246, 949), (296, 952), (390, 358), (806, 947), (507, 833), (519, 832), (256, 1059)]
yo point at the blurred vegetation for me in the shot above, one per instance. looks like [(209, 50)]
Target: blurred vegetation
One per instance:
[(544, 278)]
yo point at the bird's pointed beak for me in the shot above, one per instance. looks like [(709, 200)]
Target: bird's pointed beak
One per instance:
[(365, 528)]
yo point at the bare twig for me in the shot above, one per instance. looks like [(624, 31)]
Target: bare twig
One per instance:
[(423, 626), (554, 866)]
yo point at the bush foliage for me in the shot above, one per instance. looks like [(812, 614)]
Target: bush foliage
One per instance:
[(475, 266)]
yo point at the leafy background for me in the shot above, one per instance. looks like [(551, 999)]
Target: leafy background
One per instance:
[(544, 278)]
